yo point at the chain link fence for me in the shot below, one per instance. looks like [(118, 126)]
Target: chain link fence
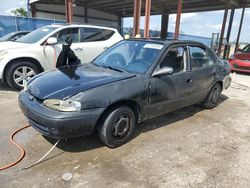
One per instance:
[(10, 24)]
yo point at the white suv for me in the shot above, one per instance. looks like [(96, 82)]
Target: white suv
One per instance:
[(38, 51)]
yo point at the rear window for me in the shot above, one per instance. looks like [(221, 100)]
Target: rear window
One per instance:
[(95, 34)]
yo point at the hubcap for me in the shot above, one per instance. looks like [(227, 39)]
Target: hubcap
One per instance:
[(22, 75), (215, 96), (121, 127)]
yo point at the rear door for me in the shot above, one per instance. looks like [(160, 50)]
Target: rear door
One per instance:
[(203, 71)]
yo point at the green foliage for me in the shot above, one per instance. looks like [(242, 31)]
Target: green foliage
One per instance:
[(20, 12)]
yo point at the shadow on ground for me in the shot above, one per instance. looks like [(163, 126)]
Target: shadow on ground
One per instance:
[(5, 87), (90, 142)]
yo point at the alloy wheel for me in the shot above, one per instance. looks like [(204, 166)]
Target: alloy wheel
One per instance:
[(23, 74)]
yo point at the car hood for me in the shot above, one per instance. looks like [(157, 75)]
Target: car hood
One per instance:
[(65, 82), (8, 45)]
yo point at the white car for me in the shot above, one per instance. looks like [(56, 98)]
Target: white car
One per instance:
[(38, 51)]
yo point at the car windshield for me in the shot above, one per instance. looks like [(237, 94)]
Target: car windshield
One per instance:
[(130, 56), (246, 49), (6, 37), (36, 35)]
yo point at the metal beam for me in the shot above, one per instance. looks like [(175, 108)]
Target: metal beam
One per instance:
[(69, 10), (86, 15), (178, 19), (239, 31), (222, 30), (229, 33), (164, 24), (147, 18), (137, 15)]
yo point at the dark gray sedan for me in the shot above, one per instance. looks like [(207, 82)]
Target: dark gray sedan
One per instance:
[(130, 82)]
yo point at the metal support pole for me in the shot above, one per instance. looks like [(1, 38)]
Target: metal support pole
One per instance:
[(229, 32), (178, 20), (137, 15), (164, 24), (16, 24), (240, 27), (86, 14), (69, 10), (223, 30), (33, 10), (147, 18), (120, 25)]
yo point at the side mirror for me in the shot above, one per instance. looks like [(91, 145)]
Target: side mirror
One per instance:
[(51, 41), (163, 71)]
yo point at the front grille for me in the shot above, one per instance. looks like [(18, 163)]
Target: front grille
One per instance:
[(240, 67)]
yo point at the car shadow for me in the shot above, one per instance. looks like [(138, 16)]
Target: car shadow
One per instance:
[(5, 87), (172, 117), (90, 142)]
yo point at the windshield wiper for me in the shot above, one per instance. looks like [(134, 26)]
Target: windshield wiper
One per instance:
[(114, 68)]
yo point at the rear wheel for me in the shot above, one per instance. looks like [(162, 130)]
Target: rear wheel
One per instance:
[(213, 97), (19, 73), (118, 127)]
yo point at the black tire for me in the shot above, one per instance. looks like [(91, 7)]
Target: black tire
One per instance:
[(16, 66), (113, 123), (213, 97)]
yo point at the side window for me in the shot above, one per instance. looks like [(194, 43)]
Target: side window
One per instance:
[(199, 58), (17, 37), (94, 34), (72, 33), (175, 58)]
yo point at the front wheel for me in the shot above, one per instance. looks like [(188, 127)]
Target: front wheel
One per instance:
[(19, 73), (213, 97), (118, 127)]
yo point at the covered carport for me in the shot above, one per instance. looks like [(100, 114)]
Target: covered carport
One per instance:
[(113, 11)]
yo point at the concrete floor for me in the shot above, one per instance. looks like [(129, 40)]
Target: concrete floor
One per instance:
[(188, 148)]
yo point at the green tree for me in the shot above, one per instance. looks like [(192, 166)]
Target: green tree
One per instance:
[(20, 12)]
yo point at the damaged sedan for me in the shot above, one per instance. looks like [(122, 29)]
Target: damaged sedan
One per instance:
[(132, 81)]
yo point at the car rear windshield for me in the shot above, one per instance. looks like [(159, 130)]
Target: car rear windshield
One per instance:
[(130, 56), (36, 35)]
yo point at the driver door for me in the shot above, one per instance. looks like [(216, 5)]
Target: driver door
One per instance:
[(174, 91)]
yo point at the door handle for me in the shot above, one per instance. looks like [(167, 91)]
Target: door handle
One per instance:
[(189, 81), (78, 49), (106, 47)]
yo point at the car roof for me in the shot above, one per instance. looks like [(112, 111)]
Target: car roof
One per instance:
[(168, 42), (66, 25), (18, 32)]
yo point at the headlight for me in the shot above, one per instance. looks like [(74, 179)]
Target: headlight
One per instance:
[(61, 105), (2, 52)]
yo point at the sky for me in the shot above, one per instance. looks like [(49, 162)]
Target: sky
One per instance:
[(200, 24), (7, 5)]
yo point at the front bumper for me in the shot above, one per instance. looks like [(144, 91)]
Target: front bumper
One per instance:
[(56, 124), (240, 65)]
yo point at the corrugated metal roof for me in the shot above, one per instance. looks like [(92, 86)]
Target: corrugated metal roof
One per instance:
[(124, 8)]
